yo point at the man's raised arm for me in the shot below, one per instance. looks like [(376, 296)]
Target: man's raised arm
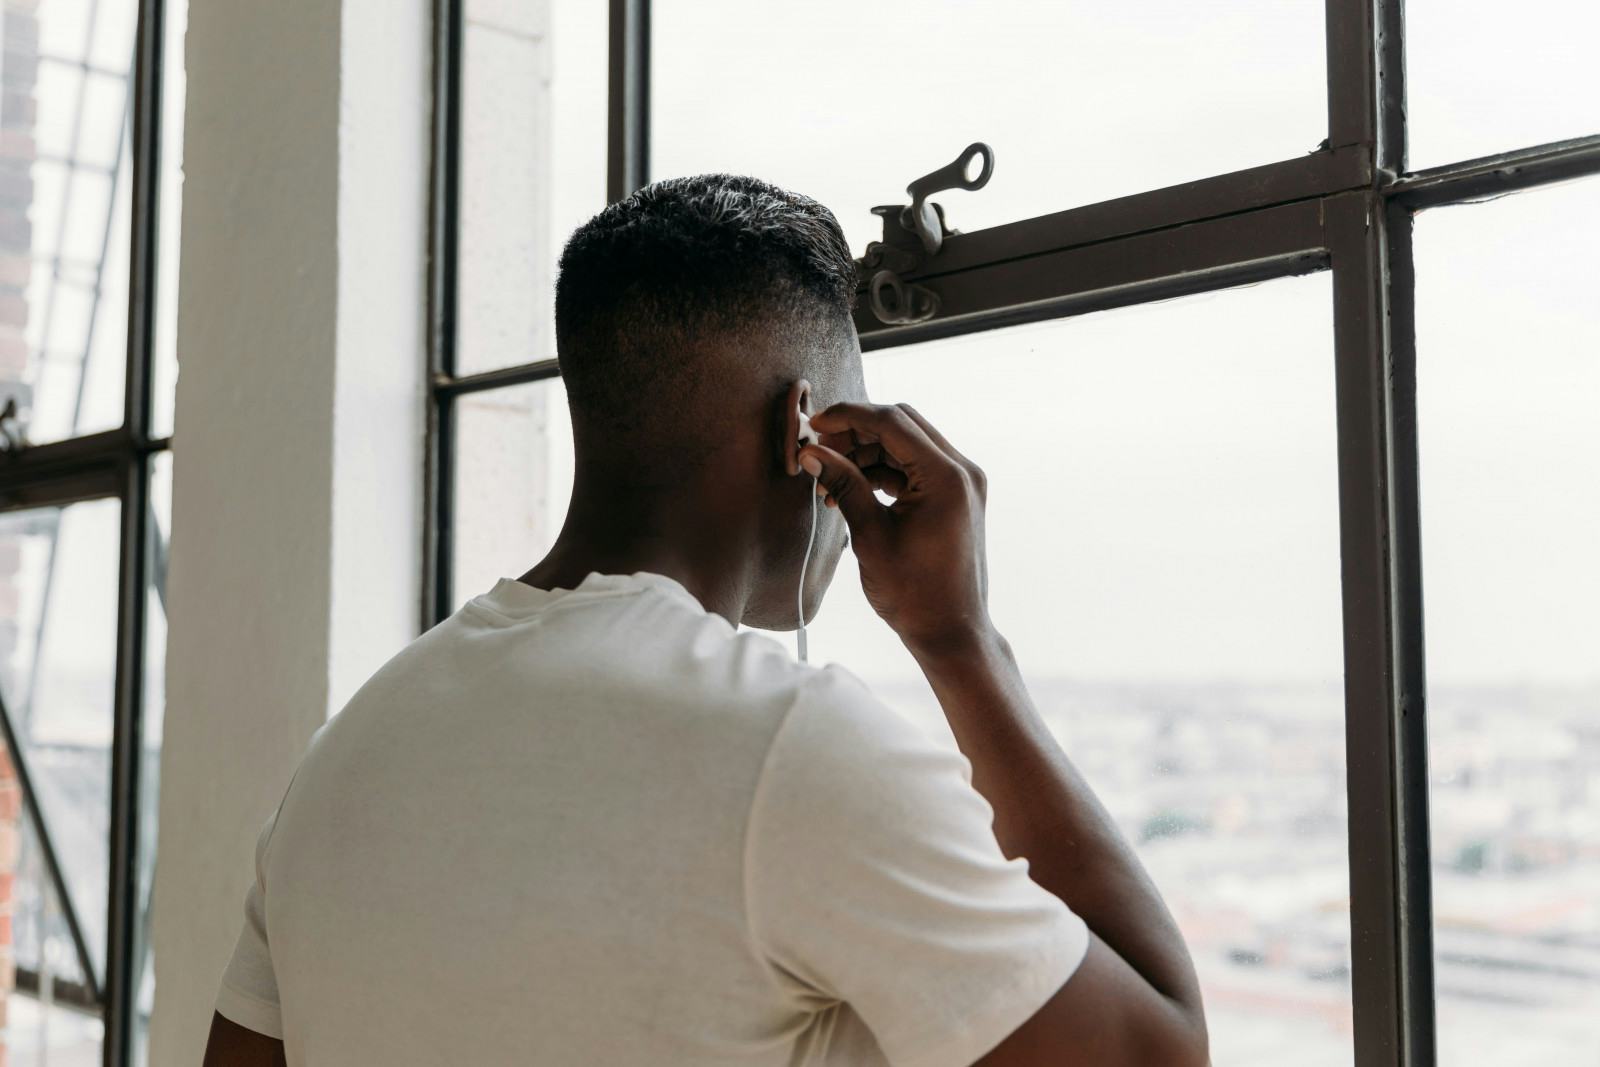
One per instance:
[(1134, 1001)]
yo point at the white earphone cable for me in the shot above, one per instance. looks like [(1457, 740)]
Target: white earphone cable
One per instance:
[(800, 598)]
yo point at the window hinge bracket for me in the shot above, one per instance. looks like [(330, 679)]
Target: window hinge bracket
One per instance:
[(913, 234)]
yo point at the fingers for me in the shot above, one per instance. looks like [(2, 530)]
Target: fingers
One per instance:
[(886, 425), (848, 489), (882, 476), (936, 437)]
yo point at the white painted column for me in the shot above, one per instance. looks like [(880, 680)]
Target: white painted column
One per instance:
[(298, 445)]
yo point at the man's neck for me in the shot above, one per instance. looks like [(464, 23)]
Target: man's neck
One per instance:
[(700, 553)]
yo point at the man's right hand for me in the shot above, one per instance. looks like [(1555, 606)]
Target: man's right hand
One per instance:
[(922, 558)]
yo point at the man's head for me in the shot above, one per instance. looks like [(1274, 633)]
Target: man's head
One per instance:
[(691, 319)]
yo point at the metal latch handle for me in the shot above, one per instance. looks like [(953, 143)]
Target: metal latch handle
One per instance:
[(923, 218)]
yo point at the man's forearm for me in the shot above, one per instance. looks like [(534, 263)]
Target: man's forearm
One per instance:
[(1045, 811)]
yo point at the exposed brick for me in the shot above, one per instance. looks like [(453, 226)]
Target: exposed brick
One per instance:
[(22, 30), (16, 232), (18, 144), (20, 71), (15, 270), (16, 186), (13, 350), (18, 110)]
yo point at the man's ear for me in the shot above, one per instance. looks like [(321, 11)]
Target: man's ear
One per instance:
[(797, 398)]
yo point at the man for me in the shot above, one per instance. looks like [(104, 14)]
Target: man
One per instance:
[(585, 821)]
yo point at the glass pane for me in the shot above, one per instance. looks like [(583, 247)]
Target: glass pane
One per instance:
[(65, 198), (1483, 78), (513, 479), (170, 220), (58, 574), (1164, 559), (1082, 101), (1508, 398), (155, 701), (533, 166), (41, 938), (44, 1034), (40, 1029)]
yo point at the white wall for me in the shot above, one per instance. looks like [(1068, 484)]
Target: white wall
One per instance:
[(297, 450)]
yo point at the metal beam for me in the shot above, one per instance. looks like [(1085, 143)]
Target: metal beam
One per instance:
[(1497, 175), (127, 763), (1352, 73), (133, 581), (1272, 242), (1415, 902), (497, 379), (1308, 177), (444, 228), (1389, 94), (1385, 746), (47, 488), (438, 596), (628, 124), (74, 996), (1360, 371), (444, 189), (62, 472)]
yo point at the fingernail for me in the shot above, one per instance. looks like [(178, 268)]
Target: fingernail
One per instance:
[(809, 464)]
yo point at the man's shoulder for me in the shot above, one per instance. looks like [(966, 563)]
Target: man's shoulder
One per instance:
[(837, 726)]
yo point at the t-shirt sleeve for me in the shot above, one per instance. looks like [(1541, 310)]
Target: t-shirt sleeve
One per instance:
[(873, 877), (249, 993)]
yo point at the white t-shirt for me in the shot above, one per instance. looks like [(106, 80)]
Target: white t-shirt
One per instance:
[(600, 826)]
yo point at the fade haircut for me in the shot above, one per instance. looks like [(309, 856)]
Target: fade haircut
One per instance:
[(648, 284)]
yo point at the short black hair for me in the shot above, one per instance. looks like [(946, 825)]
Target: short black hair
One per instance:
[(682, 261)]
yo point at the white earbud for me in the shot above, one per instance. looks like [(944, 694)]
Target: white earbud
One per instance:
[(807, 434)]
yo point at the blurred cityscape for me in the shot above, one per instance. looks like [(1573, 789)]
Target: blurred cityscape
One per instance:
[(1234, 795)]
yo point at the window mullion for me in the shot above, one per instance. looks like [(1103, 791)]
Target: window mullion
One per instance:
[(133, 588), (628, 142), (1391, 924), (444, 233)]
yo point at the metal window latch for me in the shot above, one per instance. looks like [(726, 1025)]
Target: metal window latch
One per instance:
[(913, 234)]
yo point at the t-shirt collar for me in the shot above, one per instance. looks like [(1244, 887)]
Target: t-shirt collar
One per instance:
[(510, 596)]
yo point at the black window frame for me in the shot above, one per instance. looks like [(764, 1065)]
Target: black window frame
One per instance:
[(114, 464), (1347, 208)]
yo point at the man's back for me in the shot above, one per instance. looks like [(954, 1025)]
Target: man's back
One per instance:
[(599, 826)]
